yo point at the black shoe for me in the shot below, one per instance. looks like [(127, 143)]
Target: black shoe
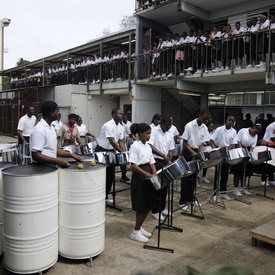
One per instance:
[(125, 178)]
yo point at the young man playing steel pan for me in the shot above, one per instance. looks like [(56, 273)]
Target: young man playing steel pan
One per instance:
[(162, 144), (194, 135), (109, 140), (224, 136)]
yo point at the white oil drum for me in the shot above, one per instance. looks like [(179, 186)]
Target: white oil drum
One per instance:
[(30, 208), (2, 166), (82, 210)]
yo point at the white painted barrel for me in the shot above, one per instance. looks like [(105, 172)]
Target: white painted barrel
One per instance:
[(82, 211), (30, 207), (2, 166)]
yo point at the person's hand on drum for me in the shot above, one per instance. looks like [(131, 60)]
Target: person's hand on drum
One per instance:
[(77, 157), (63, 163)]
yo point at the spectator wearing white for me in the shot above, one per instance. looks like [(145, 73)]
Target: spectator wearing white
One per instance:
[(25, 126)]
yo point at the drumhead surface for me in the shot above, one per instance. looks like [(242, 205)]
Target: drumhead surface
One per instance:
[(7, 164), (28, 170), (86, 166)]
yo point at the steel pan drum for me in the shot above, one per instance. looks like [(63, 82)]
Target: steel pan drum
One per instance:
[(237, 156), (176, 169), (156, 180), (86, 149), (271, 150), (257, 158), (212, 157), (122, 158), (194, 167), (106, 158), (178, 149), (75, 149)]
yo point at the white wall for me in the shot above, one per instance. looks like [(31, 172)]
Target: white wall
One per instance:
[(146, 102)]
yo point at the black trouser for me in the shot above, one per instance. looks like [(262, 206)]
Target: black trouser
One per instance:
[(160, 194), (20, 140), (123, 169), (110, 171), (225, 167), (188, 184)]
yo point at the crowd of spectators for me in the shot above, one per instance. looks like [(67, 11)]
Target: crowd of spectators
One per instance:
[(114, 66), (197, 51), (213, 51)]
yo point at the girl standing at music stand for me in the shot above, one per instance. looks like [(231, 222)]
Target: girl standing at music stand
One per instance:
[(143, 194)]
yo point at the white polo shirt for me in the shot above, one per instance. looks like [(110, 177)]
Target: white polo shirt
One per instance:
[(26, 124), (246, 139), (140, 153), (110, 129), (82, 129), (194, 134), (269, 132), (173, 130), (223, 137), (43, 139), (162, 141)]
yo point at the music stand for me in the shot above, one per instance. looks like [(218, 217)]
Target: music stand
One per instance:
[(159, 226), (216, 192)]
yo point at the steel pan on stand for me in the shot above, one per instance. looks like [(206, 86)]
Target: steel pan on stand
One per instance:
[(237, 156), (30, 209), (212, 157), (82, 211), (263, 154)]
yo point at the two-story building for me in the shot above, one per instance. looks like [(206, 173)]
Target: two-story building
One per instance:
[(133, 70)]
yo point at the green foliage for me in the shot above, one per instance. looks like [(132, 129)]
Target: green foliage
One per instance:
[(21, 61), (6, 83)]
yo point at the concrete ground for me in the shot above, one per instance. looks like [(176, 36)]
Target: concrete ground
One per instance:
[(221, 239)]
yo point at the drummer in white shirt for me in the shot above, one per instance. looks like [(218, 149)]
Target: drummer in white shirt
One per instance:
[(246, 137), (224, 136), (162, 143), (194, 135)]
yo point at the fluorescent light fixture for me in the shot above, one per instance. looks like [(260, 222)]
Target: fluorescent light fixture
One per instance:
[(127, 42), (188, 93)]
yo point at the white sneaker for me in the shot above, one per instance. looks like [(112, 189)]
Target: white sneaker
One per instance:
[(136, 235), (195, 203), (225, 196), (237, 193), (216, 70), (189, 69), (216, 198), (249, 66), (156, 216), (158, 76), (271, 182), (221, 69), (170, 75), (109, 201), (207, 71), (204, 180), (184, 207), (165, 212), (245, 192), (163, 75), (237, 68), (263, 183), (260, 65), (181, 74), (226, 68), (198, 72), (145, 233)]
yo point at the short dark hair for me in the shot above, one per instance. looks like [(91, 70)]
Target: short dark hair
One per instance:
[(114, 111), (139, 128), (166, 119), (156, 116), (47, 107)]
